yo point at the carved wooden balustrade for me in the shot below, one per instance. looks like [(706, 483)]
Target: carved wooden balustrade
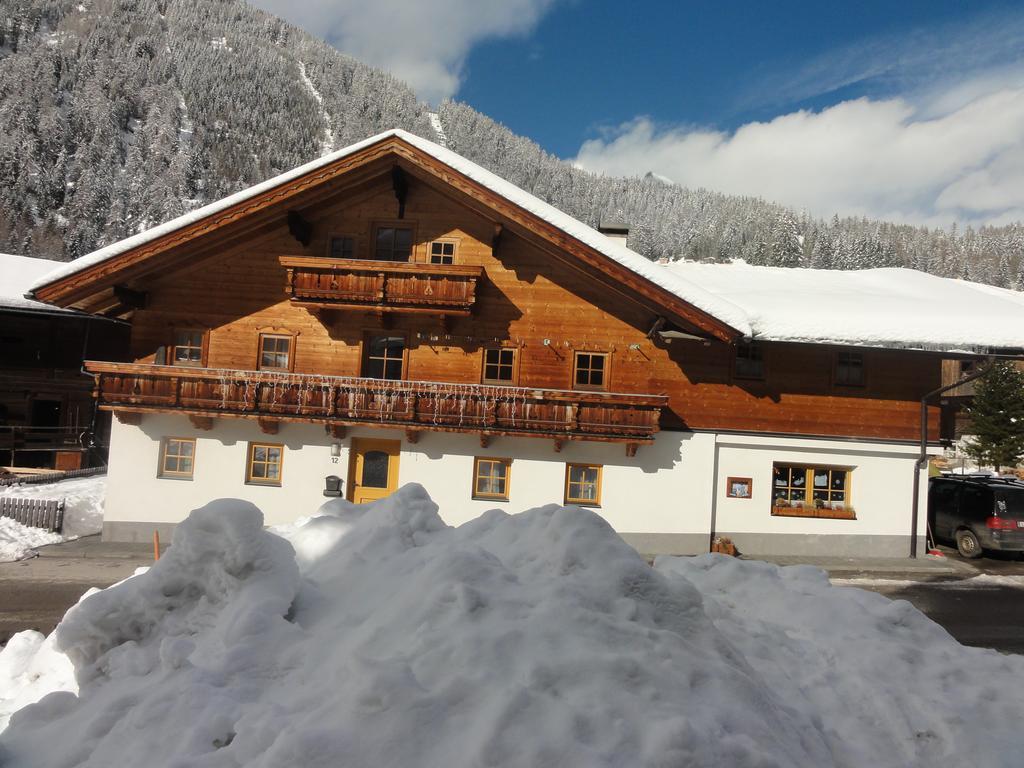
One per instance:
[(410, 405), (357, 284)]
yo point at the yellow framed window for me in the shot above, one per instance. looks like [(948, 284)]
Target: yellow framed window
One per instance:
[(491, 478), (265, 462), (811, 491), (177, 457), (583, 484)]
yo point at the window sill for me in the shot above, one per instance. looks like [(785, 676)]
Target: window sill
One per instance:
[(823, 513), (186, 478), (477, 497)]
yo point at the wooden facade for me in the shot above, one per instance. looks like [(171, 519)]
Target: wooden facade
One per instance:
[(515, 283)]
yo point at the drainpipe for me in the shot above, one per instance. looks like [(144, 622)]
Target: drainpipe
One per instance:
[(922, 457)]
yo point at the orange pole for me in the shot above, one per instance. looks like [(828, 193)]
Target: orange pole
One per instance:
[(156, 545)]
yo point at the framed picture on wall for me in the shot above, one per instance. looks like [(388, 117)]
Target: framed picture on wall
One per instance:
[(739, 487)]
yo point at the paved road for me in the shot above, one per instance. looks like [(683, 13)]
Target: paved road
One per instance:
[(986, 612)]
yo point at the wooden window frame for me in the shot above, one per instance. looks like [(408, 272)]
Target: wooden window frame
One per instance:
[(340, 236), (863, 368), (515, 366), (808, 508), (249, 456), (414, 248), (476, 493), (204, 346), (736, 362), (277, 335), (453, 242), (167, 474), (364, 351), (603, 387), (731, 482), (568, 499)]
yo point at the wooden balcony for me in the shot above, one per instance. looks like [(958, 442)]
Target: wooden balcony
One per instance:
[(381, 286), (206, 393)]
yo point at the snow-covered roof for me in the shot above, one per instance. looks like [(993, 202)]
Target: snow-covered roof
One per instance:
[(900, 308), (687, 291), (20, 273), (881, 307)]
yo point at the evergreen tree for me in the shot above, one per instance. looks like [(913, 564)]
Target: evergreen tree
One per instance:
[(997, 417)]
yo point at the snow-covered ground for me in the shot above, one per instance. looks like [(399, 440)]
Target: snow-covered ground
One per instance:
[(83, 515), (381, 636)]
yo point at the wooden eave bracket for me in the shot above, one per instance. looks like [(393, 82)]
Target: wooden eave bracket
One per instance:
[(412, 436), (269, 426), (485, 440), (205, 423), (631, 449), (130, 418), (300, 228), (401, 186), (129, 297), (337, 431)]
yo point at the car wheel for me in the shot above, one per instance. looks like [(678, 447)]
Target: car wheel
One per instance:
[(967, 544)]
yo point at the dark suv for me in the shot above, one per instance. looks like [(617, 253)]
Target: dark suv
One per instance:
[(977, 512)]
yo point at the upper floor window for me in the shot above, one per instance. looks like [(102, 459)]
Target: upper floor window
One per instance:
[(442, 252), (749, 360), (275, 352), (188, 347), (590, 370), (343, 247), (499, 365), (264, 463), (393, 244), (850, 369), (385, 358)]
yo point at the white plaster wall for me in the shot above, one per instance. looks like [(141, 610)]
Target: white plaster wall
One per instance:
[(665, 488), (881, 485)]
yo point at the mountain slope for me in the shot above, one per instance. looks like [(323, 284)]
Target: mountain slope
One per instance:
[(117, 114)]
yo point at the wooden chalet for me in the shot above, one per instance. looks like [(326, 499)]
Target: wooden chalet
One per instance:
[(393, 313)]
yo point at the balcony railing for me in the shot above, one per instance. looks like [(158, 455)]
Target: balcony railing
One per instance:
[(385, 286), (410, 405)]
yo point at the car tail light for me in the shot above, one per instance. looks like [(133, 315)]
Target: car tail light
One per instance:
[(1001, 524)]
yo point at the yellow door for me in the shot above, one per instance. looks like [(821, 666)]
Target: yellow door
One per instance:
[(373, 469)]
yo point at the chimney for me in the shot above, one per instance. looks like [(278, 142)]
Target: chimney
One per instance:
[(614, 229)]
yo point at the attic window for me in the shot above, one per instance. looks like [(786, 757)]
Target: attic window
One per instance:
[(343, 247), (442, 252), (849, 369), (749, 360), (393, 244)]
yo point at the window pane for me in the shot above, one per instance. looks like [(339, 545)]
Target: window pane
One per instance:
[(821, 478), (185, 465), (839, 479), (797, 495), (576, 474), (393, 370), (403, 239), (596, 378), (184, 447), (781, 476), (273, 470), (375, 469), (798, 478), (259, 453), (375, 369), (259, 471)]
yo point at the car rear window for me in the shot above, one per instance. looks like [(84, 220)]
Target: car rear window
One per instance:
[(1010, 502)]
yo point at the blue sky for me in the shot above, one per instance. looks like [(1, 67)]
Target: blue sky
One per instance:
[(909, 110)]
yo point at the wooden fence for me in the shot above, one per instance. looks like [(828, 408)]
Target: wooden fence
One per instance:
[(37, 513)]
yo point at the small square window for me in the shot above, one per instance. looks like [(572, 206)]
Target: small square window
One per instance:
[(275, 352), (590, 370), (385, 358), (583, 484), (850, 369), (442, 252), (491, 478), (749, 360), (264, 465), (177, 458), (343, 247), (188, 347), (393, 244), (499, 365)]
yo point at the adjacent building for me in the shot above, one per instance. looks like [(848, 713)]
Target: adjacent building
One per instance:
[(394, 313)]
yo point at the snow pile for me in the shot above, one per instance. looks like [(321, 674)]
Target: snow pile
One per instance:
[(83, 515), (900, 308), (532, 639)]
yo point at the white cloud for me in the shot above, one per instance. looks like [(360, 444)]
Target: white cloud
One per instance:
[(423, 43), (955, 158)]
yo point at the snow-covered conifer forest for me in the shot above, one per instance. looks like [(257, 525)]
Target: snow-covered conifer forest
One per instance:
[(118, 114)]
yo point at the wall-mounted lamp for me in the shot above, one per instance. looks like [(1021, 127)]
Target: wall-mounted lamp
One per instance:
[(547, 342), (335, 449)]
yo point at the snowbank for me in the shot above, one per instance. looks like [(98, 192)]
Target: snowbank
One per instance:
[(531, 639), (83, 515), (18, 274)]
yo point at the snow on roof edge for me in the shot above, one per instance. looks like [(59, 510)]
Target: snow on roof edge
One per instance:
[(692, 293)]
